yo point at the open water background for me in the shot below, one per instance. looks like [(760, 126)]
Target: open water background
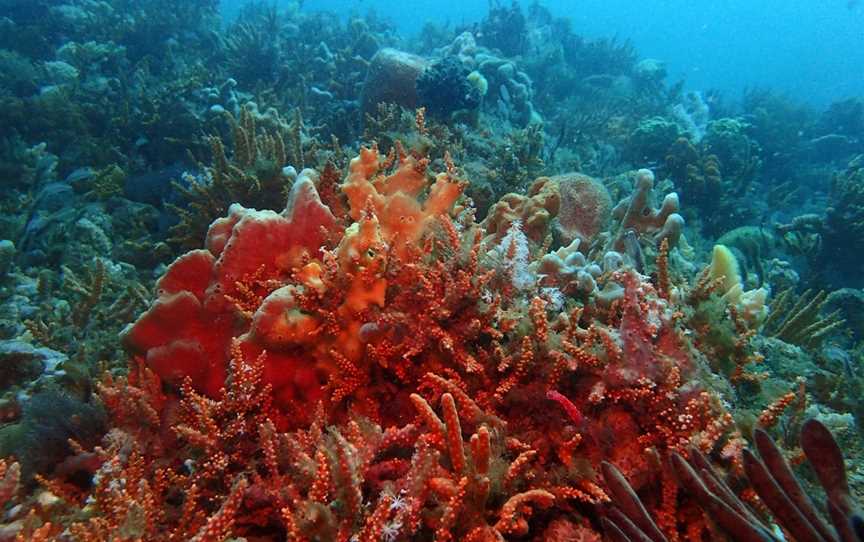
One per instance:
[(810, 50)]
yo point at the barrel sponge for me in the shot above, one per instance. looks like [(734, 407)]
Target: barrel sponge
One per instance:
[(585, 206), (392, 78)]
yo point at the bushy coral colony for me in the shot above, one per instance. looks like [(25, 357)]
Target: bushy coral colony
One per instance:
[(377, 364), (498, 288)]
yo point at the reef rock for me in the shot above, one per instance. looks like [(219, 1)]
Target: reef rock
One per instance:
[(21, 362), (7, 257)]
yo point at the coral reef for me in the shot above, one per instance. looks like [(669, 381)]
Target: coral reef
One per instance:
[(445, 87), (844, 220), (410, 303), (292, 275)]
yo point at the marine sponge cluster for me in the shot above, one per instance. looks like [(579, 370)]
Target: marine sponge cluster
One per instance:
[(372, 370)]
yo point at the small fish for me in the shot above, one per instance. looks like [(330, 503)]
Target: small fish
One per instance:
[(572, 410)]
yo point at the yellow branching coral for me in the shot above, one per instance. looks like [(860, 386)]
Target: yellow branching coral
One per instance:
[(800, 321), (252, 176)]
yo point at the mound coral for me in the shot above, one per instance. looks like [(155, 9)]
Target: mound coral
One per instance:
[(534, 211), (444, 88)]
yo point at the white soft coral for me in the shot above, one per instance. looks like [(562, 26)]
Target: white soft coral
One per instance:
[(513, 254)]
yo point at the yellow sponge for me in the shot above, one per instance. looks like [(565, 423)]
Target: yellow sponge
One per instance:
[(724, 266)]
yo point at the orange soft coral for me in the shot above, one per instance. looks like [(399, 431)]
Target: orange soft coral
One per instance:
[(394, 197), (313, 352)]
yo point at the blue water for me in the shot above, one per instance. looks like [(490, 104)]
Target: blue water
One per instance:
[(811, 50)]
